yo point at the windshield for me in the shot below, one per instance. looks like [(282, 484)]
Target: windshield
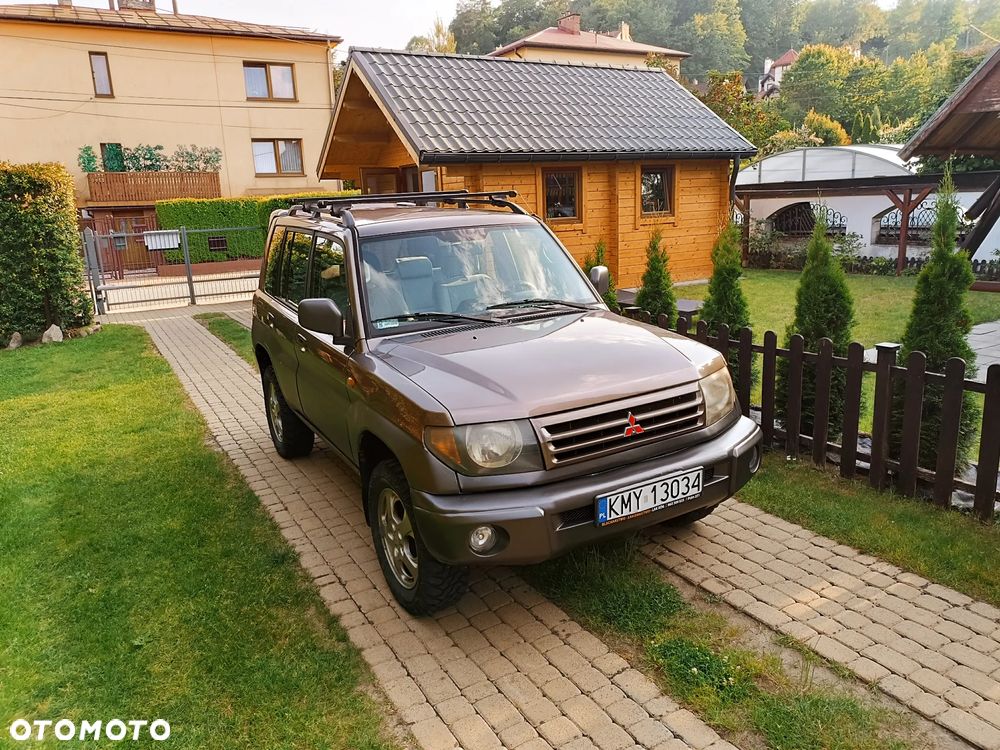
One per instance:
[(447, 276)]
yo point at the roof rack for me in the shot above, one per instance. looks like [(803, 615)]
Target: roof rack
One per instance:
[(340, 207)]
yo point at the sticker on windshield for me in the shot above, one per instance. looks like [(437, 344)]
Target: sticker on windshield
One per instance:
[(391, 323)]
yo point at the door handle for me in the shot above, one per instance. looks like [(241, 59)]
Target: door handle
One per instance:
[(270, 319), (302, 341)]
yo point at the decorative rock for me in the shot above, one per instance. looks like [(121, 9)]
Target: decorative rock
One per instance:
[(54, 334), (15, 341)]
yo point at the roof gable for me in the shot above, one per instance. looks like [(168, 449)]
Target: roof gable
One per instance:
[(454, 108), (153, 21), (554, 37)]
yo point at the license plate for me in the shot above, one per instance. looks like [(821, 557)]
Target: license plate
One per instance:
[(649, 497)]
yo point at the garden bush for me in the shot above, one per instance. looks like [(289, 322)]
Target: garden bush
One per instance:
[(657, 292), (226, 213), (599, 258), (726, 304), (823, 309), (41, 271), (938, 326)]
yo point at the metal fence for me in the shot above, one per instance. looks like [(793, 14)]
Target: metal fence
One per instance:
[(168, 267)]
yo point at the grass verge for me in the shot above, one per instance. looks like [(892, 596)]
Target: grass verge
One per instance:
[(948, 547), (130, 591), (235, 335), (697, 657)]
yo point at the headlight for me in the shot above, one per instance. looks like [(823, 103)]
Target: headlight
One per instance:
[(488, 448), (719, 395)]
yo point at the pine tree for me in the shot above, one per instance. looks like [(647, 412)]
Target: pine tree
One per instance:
[(657, 293), (938, 326), (823, 309), (599, 258), (726, 303)]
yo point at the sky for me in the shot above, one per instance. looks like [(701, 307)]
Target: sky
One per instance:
[(369, 23)]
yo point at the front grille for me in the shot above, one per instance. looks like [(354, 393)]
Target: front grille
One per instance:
[(600, 430), (577, 516)]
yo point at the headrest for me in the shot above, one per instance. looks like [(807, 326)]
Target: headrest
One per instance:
[(414, 268)]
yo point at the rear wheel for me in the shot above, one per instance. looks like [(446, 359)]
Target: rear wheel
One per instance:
[(421, 584), (291, 436)]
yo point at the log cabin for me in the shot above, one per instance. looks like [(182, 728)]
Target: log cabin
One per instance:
[(601, 153)]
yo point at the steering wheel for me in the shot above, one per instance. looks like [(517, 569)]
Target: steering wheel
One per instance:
[(524, 290)]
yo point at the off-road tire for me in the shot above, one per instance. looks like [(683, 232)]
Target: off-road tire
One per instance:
[(695, 515), (437, 585), (291, 436)]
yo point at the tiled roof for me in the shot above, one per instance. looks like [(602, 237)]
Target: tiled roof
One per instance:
[(152, 21), (553, 36), (456, 108), (786, 59)]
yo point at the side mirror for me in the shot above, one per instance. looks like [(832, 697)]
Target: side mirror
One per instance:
[(600, 277), (323, 316)]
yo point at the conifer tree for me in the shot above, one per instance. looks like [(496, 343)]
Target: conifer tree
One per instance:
[(599, 258), (823, 309), (938, 326), (726, 303), (657, 293)]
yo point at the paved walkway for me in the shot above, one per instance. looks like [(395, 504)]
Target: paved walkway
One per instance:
[(985, 342), (505, 668)]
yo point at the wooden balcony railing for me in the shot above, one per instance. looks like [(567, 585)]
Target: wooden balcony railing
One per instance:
[(147, 187)]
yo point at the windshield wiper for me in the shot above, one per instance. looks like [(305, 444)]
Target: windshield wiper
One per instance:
[(438, 316), (540, 302)]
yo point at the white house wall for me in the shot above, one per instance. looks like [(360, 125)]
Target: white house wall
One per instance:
[(862, 214)]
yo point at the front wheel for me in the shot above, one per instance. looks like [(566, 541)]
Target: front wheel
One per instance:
[(421, 584), (291, 436)]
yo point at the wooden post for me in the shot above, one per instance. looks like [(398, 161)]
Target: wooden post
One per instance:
[(884, 363), (793, 408), (906, 204), (852, 411), (821, 414), (913, 407), (745, 376), (951, 419), (722, 340), (767, 387), (989, 448)]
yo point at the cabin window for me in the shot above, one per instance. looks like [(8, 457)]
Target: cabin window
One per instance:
[(275, 156), (269, 80), (100, 71), (657, 187), (562, 193)]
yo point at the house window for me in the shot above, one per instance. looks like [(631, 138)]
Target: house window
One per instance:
[(100, 71), (218, 244), (562, 193), (269, 80), (277, 157), (657, 187)]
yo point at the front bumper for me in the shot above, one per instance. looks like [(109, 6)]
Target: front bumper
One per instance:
[(540, 522)]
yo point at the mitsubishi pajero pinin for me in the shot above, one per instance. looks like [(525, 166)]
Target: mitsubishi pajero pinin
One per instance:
[(449, 348)]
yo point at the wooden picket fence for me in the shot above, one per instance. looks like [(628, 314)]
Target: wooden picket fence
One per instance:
[(902, 471)]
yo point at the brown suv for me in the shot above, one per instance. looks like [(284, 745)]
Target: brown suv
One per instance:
[(497, 412)]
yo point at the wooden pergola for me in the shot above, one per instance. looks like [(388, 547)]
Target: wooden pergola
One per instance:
[(968, 123)]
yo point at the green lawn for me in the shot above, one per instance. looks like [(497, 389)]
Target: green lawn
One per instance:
[(697, 657), (235, 335), (948, 547), (881, 303), (141, 579)]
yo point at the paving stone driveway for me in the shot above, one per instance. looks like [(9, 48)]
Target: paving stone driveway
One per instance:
[(505, 668), (508, 668)]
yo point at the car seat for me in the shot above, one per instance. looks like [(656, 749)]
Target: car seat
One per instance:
[(416, 278)]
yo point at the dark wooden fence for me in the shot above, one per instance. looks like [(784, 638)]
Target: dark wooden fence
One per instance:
[(884, 467)]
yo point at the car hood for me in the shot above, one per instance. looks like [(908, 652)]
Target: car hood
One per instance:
[(544, 364)]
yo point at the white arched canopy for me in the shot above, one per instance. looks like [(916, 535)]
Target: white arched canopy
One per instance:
[(826, 163)]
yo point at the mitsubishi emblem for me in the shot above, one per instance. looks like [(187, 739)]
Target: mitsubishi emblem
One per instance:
[(634, 428)]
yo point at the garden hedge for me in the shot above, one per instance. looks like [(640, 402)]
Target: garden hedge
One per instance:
[(250, 213), (41, 269)]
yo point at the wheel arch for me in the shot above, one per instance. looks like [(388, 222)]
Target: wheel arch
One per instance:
[(372, 450)]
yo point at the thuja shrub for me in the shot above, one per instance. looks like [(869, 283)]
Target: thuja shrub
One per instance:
[(823, 309), (657, 292), (41, 270), (726, 304), (938, 326), (600, 258)]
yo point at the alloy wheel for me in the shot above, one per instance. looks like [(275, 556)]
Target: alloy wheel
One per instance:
[(398, 540)]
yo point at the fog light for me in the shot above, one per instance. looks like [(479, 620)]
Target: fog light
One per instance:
[(482, 539), (754, 459)]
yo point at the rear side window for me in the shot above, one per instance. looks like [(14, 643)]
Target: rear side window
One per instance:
[(272, 271), (294, 267)]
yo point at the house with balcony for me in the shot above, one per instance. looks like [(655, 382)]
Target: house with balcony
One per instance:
[(236, 108)]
